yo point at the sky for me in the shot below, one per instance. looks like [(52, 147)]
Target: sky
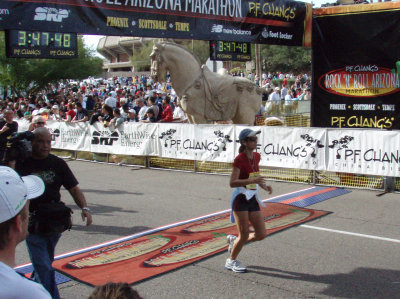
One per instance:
[(92, 40)]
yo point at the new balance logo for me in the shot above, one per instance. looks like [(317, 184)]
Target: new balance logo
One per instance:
[(4, 11), (217, 28), (50, 14)]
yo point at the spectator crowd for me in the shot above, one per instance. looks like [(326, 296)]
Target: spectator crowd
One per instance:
[(113, 103), (138, 99)]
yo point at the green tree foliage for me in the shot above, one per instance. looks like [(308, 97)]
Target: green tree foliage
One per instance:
[(141, 57), (33, 75), (286, 59)]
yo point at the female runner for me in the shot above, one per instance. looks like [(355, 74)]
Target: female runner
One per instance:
[(245, 201)]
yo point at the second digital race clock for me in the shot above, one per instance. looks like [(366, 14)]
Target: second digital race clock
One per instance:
[(35, 44), (230, 51)]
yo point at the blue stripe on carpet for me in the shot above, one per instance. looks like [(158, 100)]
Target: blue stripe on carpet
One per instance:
[(29, 269), (305, 202)]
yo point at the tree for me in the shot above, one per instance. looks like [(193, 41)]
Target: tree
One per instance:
[(286, 59), (33, 75), (141, 57)]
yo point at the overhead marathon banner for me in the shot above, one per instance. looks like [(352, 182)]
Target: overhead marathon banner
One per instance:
[(356, 66), (273, 22), (361, 151)]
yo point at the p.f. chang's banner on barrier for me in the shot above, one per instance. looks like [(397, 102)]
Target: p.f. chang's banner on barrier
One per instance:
[(361, 151), (356, 64), (274, 22)]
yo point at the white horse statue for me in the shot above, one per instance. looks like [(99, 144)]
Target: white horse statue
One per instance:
[(203, 95)]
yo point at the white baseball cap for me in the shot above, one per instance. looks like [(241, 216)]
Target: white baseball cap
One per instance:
[(15, 191)]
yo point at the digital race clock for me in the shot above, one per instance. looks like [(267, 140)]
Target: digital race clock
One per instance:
[(34, 44), (233, 51)]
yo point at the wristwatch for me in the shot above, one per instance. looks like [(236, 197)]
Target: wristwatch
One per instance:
[(86, 209)]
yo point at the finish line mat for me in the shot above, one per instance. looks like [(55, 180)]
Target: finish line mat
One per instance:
[(146, 256)]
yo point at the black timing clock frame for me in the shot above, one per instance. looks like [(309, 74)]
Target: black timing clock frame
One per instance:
[(230, 51), (40, 44)]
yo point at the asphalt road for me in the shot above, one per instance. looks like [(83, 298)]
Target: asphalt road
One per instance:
[(356, 256)]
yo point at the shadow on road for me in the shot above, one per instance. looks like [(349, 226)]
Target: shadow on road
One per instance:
[(360, 283), (102, 209), (111, 192)]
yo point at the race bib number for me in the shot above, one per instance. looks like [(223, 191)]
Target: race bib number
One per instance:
[(252, 186)]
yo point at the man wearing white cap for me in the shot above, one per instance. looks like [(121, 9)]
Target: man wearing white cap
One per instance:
[(15, 193), (54, 113), (131, 115)]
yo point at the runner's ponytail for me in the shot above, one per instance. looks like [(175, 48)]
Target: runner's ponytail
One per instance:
[(242, 148)]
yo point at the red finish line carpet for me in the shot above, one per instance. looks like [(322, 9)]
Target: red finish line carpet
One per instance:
[(152, 254)]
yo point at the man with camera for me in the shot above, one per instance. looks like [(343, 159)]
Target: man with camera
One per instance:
[(48, 216), (7, 127)]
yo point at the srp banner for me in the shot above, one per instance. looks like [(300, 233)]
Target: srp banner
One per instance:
[(138, 139), (356, 66)]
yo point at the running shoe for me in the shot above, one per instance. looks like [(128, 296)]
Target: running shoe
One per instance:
[(235, 266), (230, 240)]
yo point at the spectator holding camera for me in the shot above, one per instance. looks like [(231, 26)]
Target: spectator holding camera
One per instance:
[(15, 193), (107, 115), (82, 114), (7, 127), (48, 216)]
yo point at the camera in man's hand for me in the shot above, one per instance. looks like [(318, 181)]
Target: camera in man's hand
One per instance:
[(19, 146)]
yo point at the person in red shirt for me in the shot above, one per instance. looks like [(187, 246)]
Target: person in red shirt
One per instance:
[(167, 114), (285, 81), (70, 113), (245, 200)]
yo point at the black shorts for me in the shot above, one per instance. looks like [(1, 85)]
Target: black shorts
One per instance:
[(242, 204)]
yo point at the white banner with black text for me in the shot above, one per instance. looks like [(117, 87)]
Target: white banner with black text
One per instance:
[(361, 151)]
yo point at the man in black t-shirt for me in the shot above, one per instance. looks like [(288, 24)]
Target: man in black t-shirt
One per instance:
[(55, 173), (7, 127)]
